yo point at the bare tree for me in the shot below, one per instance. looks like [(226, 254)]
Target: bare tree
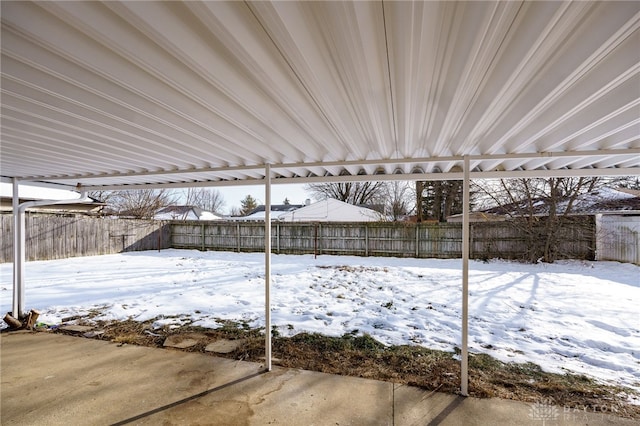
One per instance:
[(628, 182), (141, 203), (208, 199), (104, 196), (539, 208), (356, 193), (398, 199)]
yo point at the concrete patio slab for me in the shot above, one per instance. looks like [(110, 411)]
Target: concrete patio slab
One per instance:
[(55, 379)]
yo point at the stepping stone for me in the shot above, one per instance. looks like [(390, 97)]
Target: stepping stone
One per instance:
[(224, 346), (180, 341)]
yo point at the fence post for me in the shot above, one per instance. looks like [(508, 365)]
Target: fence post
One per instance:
[(471, 232), (366, 239), (171, 232), (278, 237), (319, 238), (417, 240), (315, 240), (238, 234)]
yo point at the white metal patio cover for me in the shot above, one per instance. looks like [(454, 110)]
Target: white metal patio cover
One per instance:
[(146, 94)]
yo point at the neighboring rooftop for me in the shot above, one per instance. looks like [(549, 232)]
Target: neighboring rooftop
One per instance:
[(185, 213), (276, 208), (328, 210), (601, 200)]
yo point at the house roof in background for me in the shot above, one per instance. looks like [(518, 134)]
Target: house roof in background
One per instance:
[(327, 210), (179, 209), (601, 200), (276, 208), (185, 212), (113, 94), (331, 210)]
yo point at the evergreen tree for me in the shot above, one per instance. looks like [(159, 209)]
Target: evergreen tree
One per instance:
[(247, 205)]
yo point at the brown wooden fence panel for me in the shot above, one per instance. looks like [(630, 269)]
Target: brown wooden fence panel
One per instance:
[(575, 239), (495, 240), (439, 240), (303, 238), (346, 239), (59, 237)]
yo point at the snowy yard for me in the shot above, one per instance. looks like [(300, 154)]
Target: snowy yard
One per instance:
[(572, 316)]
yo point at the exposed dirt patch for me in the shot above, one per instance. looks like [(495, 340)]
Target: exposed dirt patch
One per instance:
[(363, 356)]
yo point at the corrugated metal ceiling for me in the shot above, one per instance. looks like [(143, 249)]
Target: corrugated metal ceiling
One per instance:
[(131, 93)]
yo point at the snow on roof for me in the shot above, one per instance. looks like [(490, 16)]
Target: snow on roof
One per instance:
[(601, 200), (606, 199), (254, 216), (276, 208), (185, 213), (259, 212), (209, 216)]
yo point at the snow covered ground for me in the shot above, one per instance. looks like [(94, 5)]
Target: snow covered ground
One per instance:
[(570, 316)]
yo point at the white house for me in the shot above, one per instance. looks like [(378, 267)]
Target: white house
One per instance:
[(330, 210)]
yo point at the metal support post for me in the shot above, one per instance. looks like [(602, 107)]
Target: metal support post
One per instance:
[(464, 367), (18, 254), (267, 266)]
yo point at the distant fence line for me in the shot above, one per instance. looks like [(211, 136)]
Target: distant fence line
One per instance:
[(56, 237), (444, 240)]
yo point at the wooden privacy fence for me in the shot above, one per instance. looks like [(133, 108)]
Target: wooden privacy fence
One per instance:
[(363, 239), (488, 240), (58, 237)]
